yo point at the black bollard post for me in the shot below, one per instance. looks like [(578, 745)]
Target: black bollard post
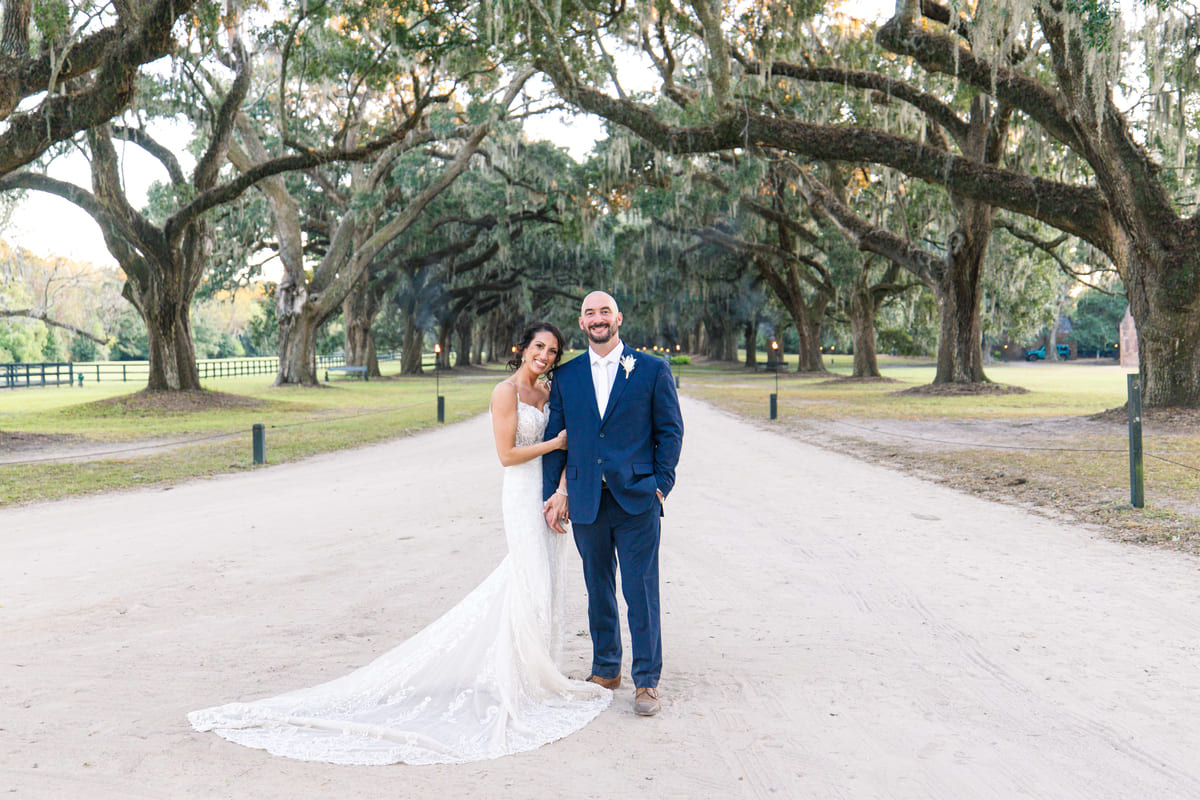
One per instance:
[(1137, 496), (437, 382), (260, 443)]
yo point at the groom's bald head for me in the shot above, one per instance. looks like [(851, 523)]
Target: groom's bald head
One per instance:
[(597, 300), (600, 320)]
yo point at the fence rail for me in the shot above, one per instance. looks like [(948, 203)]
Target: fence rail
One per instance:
[(24, 375), (49, 373)]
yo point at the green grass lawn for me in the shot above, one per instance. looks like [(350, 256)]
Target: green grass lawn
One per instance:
[(299, 422), (1053, 390), (1045, 448)]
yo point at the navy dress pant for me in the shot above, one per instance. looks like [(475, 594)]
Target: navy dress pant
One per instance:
[(630, 540)]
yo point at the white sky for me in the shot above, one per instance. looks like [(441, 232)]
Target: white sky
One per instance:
[(49, 226)]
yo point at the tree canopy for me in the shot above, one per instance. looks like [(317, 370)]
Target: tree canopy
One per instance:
[(789, 164)]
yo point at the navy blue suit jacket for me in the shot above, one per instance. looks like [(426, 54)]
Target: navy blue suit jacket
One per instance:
[(634, 447)]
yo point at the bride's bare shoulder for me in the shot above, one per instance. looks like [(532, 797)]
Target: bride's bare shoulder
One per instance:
[(505, 393)]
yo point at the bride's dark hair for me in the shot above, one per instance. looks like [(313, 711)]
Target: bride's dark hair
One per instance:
[(532, 330)]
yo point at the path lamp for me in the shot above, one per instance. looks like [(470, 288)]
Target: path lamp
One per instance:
[(774, 362), (437, 382), (680, 365)]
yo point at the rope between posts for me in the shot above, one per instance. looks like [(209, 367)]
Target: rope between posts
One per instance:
[(1169, 461), (133, 449), (197, 439), (345, 416)]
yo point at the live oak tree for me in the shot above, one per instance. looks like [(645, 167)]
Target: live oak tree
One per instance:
[(1057, 65), (163, 261), (366, 78), (522, 208), (84, 67), (164, 250), (807, 262), (751, 206), (675, 289), (703, 297), (978, 135), (465, 244), (469, 269)]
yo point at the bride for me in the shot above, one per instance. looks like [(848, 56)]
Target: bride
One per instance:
[(480, 682)]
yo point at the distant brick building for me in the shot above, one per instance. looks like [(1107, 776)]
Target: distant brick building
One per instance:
[(1129, 342)]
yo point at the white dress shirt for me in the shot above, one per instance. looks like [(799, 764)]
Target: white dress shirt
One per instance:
[(604, 374)]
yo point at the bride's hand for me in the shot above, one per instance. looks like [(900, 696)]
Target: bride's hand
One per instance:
[(560, 441)]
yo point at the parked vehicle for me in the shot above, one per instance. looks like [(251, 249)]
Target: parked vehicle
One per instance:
[(1109, 350), (1064, 352)]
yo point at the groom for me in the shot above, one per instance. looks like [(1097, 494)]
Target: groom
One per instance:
[(624, 432)]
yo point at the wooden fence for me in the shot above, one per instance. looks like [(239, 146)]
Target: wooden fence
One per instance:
[(24, 375), (21, 374)]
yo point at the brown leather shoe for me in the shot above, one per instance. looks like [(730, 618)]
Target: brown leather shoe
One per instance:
[(645, 702), (607, 683)]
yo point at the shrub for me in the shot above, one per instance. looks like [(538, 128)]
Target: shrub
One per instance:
[(83, 349), (896, 341)]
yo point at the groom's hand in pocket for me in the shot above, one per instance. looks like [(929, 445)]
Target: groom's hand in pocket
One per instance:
[(556, 512)]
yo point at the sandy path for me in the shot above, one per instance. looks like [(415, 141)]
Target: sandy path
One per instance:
[(832, 629)]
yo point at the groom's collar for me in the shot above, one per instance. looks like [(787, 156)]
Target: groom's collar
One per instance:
[(614, 355)]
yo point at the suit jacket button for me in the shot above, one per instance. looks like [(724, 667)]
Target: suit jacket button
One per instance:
[(599, 460), (602, 436)]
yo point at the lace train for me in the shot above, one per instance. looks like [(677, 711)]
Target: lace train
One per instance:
[(479, 682)]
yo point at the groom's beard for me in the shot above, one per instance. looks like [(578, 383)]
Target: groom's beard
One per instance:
[(601, 333)]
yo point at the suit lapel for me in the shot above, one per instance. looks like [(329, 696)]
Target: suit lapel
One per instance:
[(618, 384)]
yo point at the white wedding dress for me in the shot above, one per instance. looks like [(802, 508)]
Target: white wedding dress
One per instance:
[(480, 682)]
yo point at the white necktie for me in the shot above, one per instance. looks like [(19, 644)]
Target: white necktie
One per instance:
[(602, 373)]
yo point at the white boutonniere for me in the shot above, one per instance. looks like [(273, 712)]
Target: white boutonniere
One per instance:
[(628, 362)]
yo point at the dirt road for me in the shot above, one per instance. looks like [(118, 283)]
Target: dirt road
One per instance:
[(832, 630)]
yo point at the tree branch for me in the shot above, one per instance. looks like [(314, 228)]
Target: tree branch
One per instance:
[(142, 139), (115, 55), (344, 276), (1050, 247), (42, 316), (64, 189), (209, 165), (931, 106), (1079, 210), (940, 53), (925, 266)]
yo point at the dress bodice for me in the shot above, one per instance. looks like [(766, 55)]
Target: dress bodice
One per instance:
[(531, 423)]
